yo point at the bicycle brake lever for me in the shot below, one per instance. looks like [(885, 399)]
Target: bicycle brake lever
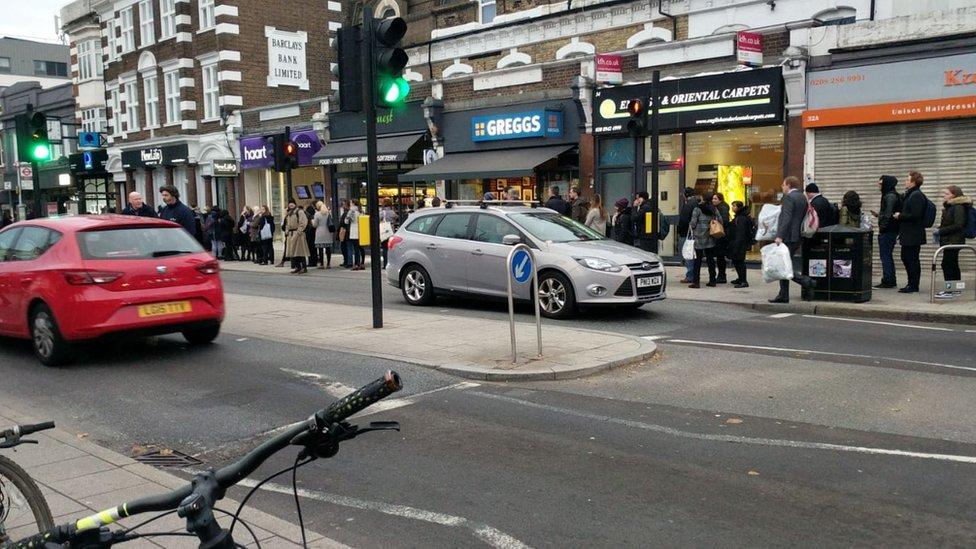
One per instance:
[(17, 442)]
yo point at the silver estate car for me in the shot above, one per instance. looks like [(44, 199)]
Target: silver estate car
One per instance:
[(461, 250)]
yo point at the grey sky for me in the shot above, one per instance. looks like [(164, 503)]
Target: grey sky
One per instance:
[(33, 19)]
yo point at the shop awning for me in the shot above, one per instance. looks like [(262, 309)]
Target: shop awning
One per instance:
[(353, 151), (486, 164)]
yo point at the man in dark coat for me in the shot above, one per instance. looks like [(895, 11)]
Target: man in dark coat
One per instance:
[(888, 229), (623, 223), (643, 238), (826, 213), (176, 211), (578, 206), (788, 233), (911, 230), (557, 203), (684, 222), (138, 207)]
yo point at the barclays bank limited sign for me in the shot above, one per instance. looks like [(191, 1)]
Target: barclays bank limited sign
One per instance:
[(502, 126)]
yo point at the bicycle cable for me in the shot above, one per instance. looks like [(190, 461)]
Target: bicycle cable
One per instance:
[(138, 535), (253, 490), (298, 503)]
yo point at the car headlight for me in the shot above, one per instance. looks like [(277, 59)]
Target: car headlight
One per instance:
[(598, 264)]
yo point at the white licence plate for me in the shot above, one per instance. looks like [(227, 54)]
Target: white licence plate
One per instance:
[(648, 281)]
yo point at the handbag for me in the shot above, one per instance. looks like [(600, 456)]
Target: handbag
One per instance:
[(266, 232), (386, 230), (716, 229), (342, 234)]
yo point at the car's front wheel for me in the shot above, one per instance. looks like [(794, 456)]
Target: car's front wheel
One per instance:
[(416, 285), (556, 297), (202, 336), (49, 346)]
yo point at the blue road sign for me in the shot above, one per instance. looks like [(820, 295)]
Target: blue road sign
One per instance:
[(521, 266)]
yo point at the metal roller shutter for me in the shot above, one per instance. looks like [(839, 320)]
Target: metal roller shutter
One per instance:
[(853, 157)]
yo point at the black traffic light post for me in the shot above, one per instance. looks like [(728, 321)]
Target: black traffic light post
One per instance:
[(372, 167), (655, 158)]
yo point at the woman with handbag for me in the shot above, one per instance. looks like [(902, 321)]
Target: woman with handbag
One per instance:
[(266, 231), (357, 249), (704, 223), (344, 234), (722, 243), (324, 230)]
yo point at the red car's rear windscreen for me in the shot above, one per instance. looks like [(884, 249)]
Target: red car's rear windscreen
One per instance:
[(136, 243)]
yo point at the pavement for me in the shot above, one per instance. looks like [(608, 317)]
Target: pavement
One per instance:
[(79, 478), (469, 347), (884, 304)]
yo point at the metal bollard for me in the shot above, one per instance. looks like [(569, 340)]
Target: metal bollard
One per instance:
[(935, 258)]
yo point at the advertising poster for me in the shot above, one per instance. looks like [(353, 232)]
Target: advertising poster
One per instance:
[(818, 268), (842, 268)]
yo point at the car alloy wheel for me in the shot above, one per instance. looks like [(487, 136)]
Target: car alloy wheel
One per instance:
[(43, 335), (415, 285), (552, 295)]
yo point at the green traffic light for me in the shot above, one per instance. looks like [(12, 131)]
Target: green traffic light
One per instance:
[(41, 151), (394, 91)]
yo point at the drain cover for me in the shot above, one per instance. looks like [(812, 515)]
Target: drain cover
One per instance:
[(167, 458)]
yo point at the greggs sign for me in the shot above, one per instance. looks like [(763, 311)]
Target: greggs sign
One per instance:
[(926, 89)]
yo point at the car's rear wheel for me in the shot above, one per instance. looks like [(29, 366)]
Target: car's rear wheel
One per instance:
[(49, 346), (202, 336), (556, 297), (416, 285)]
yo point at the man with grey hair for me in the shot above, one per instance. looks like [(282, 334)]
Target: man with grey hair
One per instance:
[(138, 207)]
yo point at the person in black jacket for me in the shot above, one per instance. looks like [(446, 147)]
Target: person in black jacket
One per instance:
[(684, 221), (743, 231), (176, 211), (643, 238), (722, 244), (888, 229), (137, 206), (313, 257), (557, 203), (623, 223), (911, 230), (952, 231), (827, 215)]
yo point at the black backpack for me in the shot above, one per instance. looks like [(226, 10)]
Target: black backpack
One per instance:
[(929, 212)]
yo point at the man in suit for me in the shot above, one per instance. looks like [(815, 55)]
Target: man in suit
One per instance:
[(788, 233), (911, 230)]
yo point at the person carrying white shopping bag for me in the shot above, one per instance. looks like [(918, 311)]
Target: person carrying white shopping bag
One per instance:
[(788, 235)]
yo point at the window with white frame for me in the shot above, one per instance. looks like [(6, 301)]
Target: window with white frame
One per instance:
[(93, 120), (113, 42), (171, 88), (131, 107), (128, 36), (116, 112), (89, 59), (206, 14), (486, 10), (147, 24), (211, 92), (167, 19), (150, 94)]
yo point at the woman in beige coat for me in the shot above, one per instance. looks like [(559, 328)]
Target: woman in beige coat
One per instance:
[(296, 246)]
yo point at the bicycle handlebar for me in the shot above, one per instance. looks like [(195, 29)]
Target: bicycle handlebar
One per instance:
[(29, 429), (230, 475)]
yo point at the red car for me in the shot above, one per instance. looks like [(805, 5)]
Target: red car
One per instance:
[(80, 278)]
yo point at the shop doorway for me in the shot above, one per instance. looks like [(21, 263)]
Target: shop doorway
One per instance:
[(669, 205)]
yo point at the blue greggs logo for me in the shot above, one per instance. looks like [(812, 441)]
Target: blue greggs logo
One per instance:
[(517, 125)]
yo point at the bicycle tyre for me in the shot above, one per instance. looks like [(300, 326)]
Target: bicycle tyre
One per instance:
[(14, 474)]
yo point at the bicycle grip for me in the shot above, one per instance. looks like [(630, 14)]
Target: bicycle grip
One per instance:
[(28, 429), (361, 398)]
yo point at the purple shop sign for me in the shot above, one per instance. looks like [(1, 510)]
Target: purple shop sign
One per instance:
[(258, 152)]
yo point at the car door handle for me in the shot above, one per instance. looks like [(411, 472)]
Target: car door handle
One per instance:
[(477, 252), (432, 246), (25, 282)]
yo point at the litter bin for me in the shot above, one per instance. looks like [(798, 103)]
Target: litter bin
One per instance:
[(839, 260)]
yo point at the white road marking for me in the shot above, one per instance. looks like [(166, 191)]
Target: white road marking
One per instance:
[(826, 353), (241, 339), (971, 331), (654, 338), (882, 323), (731, 438), (781, 315), (488, 534)]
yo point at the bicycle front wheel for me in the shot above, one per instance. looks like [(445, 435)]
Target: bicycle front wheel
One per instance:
[(23, 509)]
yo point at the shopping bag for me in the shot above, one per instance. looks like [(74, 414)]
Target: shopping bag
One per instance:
[(386, 230), (811, 223), (766, 224), (688, 249), (777, 262), (266, 232)]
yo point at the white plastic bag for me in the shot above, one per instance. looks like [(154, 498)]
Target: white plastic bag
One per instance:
[(777, 263), (766, 224), (866, 222), (688, 249)]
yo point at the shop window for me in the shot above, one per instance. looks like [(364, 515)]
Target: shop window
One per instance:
[(453, 226), (614, 186), (669, 149), (617, 152)]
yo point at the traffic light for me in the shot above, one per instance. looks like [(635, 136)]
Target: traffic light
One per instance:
[(389, 60), (32, 140), (637, 125), (285, 152), (291, 153), (350, 70)]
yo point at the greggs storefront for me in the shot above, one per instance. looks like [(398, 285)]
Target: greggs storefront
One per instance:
[(889, 118)]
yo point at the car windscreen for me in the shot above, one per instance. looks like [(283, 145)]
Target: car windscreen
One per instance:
[(552, 227), (136, 243)]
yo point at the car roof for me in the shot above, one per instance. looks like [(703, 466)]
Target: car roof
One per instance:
[(486, 207), (75, 223)]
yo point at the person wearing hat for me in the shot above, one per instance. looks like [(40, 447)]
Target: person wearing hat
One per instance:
[(827, 214), (176, 211), (623, 224), (489, 196)]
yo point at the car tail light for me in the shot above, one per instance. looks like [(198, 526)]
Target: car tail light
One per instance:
[(393, 241), (80, 278), (209, 268)]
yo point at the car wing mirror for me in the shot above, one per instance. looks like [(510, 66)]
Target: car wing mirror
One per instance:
[(511, 239)]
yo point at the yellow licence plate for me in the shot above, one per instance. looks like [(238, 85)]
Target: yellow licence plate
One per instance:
[(163, 309)]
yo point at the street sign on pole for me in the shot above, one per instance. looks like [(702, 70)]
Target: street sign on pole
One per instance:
[(26, 171), (522, 268)]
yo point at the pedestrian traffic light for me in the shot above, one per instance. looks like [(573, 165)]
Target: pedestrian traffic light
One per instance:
[(285, 152), (32, 140), (389, 60), (637, 125), (291, 153)]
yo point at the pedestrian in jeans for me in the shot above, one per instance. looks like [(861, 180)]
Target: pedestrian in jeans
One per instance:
[(701, 219), (324, 235), (888, 229), (952, 230), (911, 230), (743, 233), (788, 233), (684, 219)]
